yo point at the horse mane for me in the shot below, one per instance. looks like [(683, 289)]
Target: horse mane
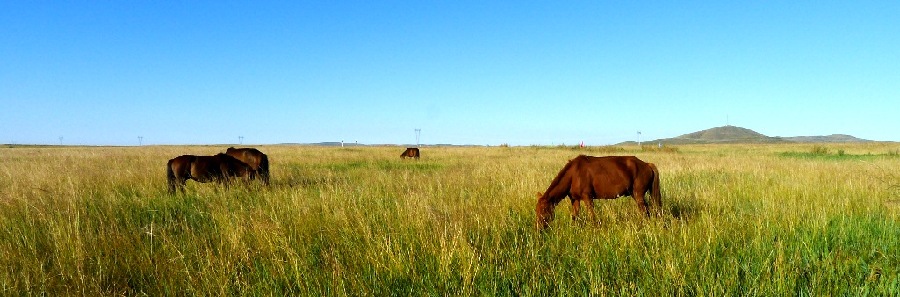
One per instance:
[(552, 195), (558, 179)]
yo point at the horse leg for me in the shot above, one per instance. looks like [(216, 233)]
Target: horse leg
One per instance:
[(575, 207), (642, 205), (172, 184), (246, 180), (589, 204), (180, 182)]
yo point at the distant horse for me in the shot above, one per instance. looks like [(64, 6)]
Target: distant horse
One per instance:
[(219, 168), (585, 178), (253, 157), (411, 152)]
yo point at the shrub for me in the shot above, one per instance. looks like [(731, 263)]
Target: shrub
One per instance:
[(819, 150)]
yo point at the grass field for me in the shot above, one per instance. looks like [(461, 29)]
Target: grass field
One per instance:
[(757, 220)]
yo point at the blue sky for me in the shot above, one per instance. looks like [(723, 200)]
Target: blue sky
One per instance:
[(464, 72)]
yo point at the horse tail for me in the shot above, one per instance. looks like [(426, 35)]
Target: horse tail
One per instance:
[(264, 168), (654, 189), (558, 189), (170, 175)]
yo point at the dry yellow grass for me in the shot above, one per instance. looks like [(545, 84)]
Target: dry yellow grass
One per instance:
[(740, 219)]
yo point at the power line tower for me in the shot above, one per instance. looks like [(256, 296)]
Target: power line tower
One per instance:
[(140, 140), (60, 140), (639, 138), (418, 132), (241, 140)]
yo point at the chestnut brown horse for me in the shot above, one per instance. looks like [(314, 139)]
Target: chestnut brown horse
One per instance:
[(411, 152), (219, 168), (586, 178), (253, 157)]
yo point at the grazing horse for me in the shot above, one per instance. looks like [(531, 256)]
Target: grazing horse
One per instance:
[(585, 178), (253, 157), (411, 152), (204, 169)]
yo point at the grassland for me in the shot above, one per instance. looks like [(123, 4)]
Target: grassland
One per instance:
[(758, 220)]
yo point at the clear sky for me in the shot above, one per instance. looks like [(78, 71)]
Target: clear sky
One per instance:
[(464, 72)]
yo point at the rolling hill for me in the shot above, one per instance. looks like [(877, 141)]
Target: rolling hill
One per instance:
[(733, 134)]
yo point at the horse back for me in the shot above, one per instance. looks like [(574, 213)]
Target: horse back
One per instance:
[(205, 168), (233, 167), (180, 166), (610, 177), (250, 156)]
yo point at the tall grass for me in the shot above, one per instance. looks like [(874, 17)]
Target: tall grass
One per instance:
[(739, 220)]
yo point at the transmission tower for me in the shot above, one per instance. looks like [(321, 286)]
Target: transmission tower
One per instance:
[(418, 132)]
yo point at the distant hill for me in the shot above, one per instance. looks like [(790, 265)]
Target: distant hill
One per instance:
[(725, 134), (829, 138), (733, 134)]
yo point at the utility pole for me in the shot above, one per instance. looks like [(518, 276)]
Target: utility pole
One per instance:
[(418, 132)]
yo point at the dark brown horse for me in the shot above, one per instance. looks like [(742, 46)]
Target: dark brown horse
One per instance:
[(411, 152), (253, 157), (586, 178), (219, 168)]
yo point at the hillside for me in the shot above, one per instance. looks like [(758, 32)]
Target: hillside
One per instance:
[(829, 138), (733, 134), (725, 134)]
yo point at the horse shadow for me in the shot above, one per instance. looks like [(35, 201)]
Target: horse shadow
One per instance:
[(686, 208)]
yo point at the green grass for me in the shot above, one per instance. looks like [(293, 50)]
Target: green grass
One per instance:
[(739, 220), (821, 152), (836, 157)]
